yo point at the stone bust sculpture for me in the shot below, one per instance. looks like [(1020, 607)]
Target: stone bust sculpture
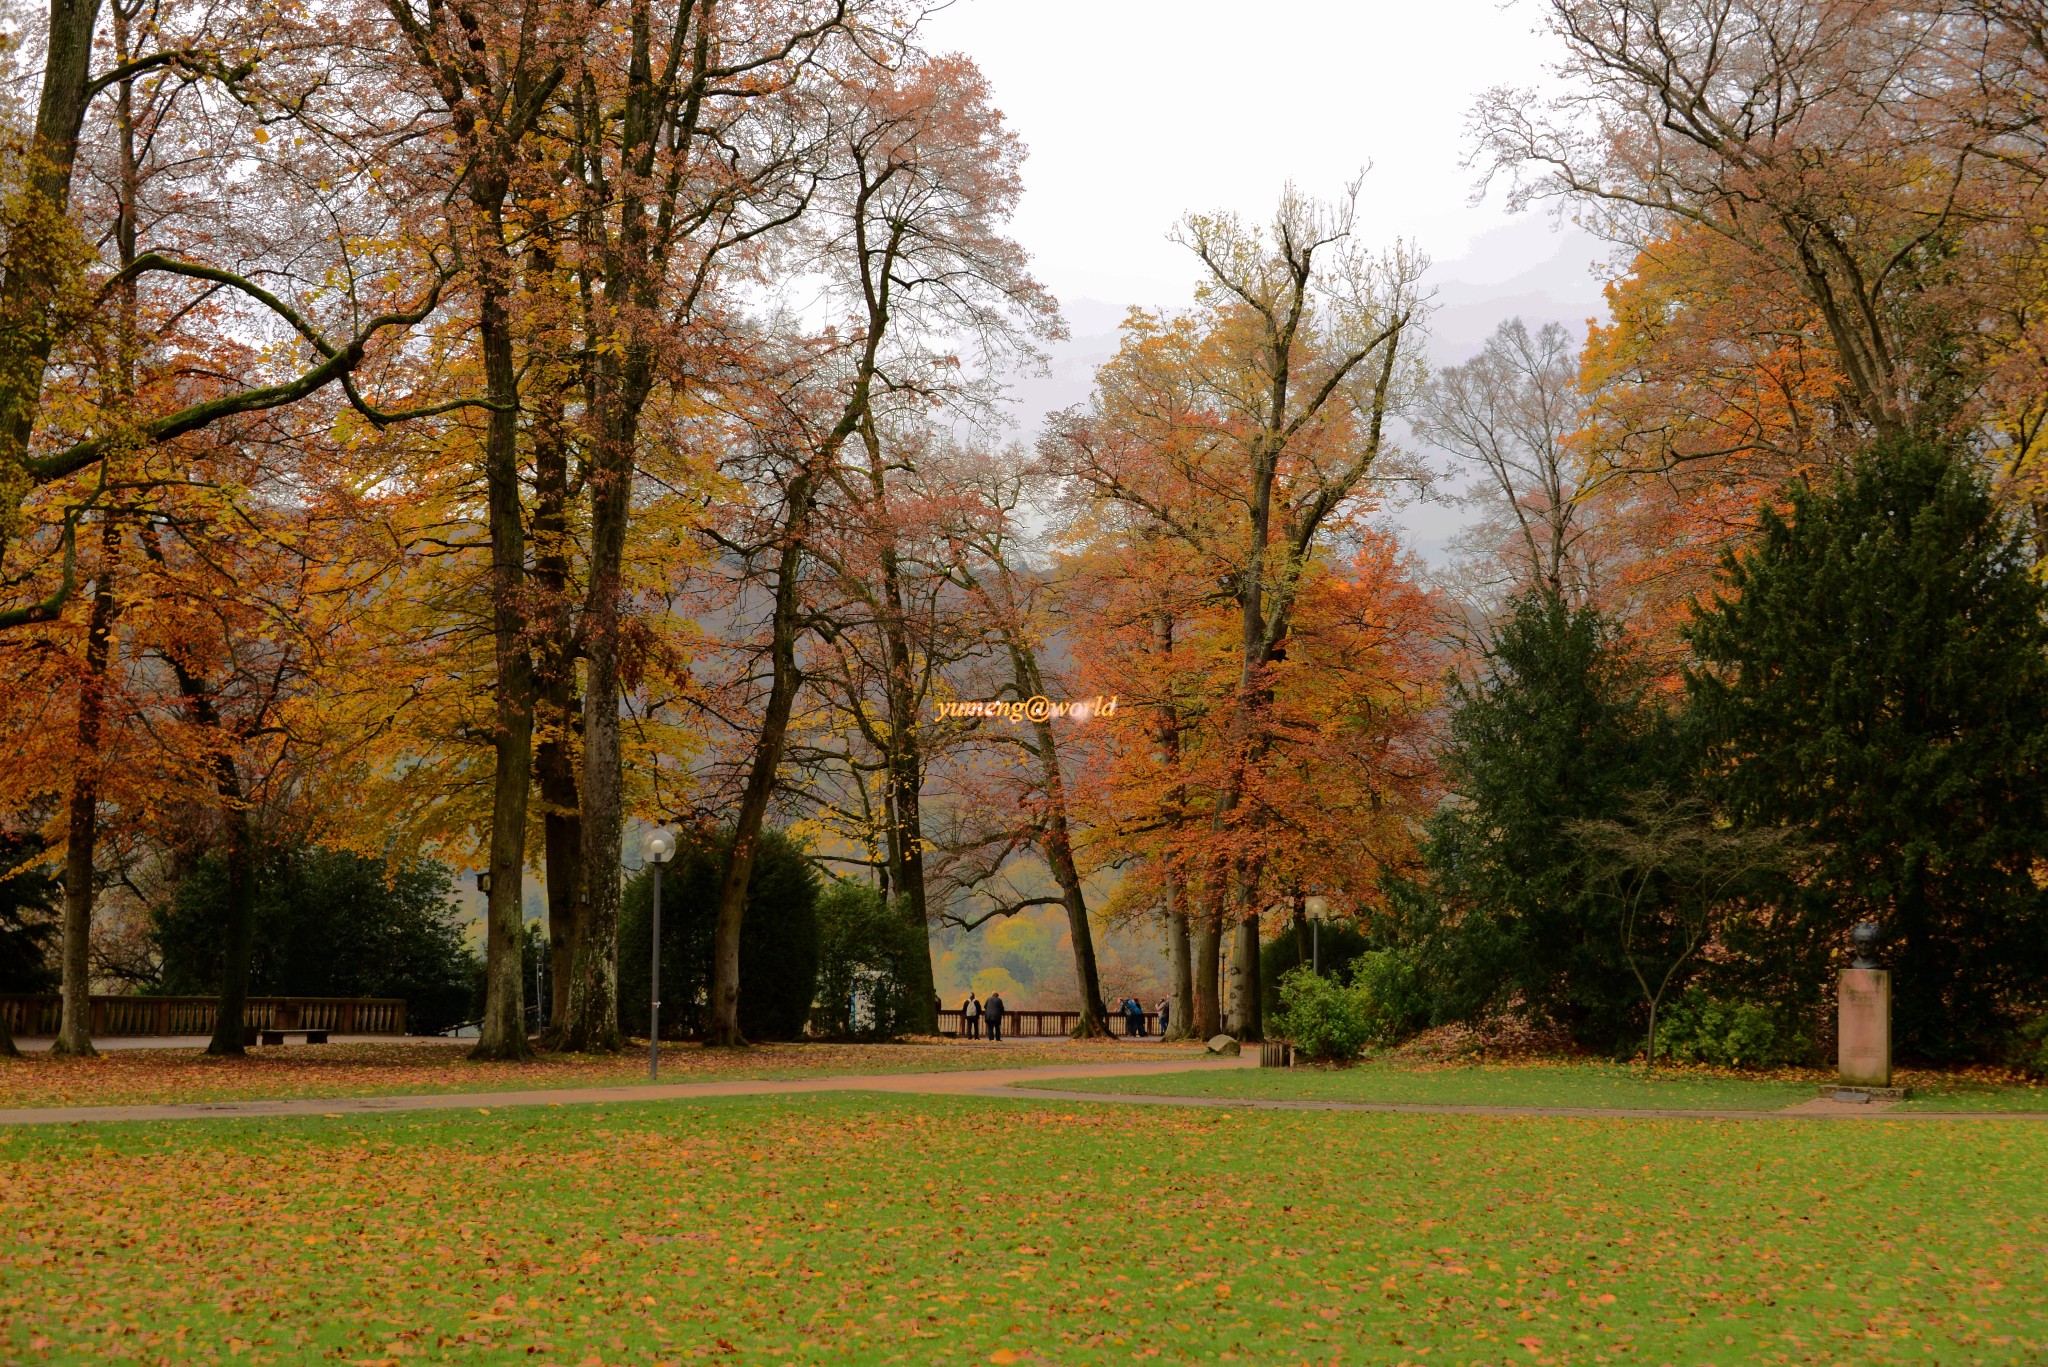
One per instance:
[(1864, 937)]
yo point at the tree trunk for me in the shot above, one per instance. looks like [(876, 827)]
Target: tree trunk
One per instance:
[(593, 1024), (1180, 970), (1055, 841), (231, 1014), (767, 762), (37, 264), (1208, 951), (1249, 1007), (562, 837), (906, 771), (74, 1029), (502, 1032), (1059, 854), (904, 759), (557, 709)]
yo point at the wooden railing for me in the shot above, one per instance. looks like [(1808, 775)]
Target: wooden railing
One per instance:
[(37, 1015), (1041, 1024)]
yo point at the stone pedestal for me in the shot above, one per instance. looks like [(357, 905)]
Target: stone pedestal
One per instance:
[(1864, 1031)]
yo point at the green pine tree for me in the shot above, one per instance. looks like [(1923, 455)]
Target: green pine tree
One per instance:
[(1875, 672), (1559, 729)]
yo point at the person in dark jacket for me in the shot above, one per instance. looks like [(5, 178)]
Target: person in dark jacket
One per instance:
[(995, 1010)]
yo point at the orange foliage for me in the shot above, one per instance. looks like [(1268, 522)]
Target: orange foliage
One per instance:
[(1711, 388)]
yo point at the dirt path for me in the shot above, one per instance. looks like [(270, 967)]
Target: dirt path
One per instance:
[(986, 1082), (979, 1081)]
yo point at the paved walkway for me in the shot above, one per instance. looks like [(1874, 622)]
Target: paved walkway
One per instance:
[(964, 1082), (980, 1082)]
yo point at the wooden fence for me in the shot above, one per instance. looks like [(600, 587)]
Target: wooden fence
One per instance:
[(1042, 1024), (31, 1016)]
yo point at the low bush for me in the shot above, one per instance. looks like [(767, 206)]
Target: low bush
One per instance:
[(1700, 1028), (1393, 995), (1326, 1019), (2030, 1046), (1295, 947)]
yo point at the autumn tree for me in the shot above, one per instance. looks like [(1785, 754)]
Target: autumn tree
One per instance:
[(1276, 409), (1027, 792), (1510, 412), (895, 623), (194, 324), (52, 281), (923, 175), (700, 132), (1834, 203)]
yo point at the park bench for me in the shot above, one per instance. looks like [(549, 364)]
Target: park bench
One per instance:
[(252, 1035), (285, 1020)]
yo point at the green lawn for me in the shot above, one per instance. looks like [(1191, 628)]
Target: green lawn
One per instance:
[(1473, 1084), (1962, 1094), (867, 1228)]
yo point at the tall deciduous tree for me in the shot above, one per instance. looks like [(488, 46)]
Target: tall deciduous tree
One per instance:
[(1511, 411), (1303, 348), (924, 176), (695, 131)]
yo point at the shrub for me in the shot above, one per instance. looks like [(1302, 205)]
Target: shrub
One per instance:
[(329, 923), (778, 940), (1393, 994), (2030, 1046), (1326, 1019), (1296, 947), (866, 973), (1699, 1028)]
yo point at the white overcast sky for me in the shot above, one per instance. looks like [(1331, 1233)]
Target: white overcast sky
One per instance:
[(1137, 111)]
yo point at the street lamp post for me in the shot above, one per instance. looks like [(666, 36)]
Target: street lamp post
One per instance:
[(1317, 910), (657, 847)]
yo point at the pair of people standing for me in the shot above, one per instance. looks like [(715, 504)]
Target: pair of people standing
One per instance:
[(1134, 1017), (973, 1012)]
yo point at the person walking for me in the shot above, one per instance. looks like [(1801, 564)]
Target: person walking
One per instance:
[(1165, 1013), (970, 1018), (995, 1011)]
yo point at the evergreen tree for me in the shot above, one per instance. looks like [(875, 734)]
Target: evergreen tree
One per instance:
[(29, 894), (1558, 729), (778, 940), (869, 983), (1876, 673), (329, 923)]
